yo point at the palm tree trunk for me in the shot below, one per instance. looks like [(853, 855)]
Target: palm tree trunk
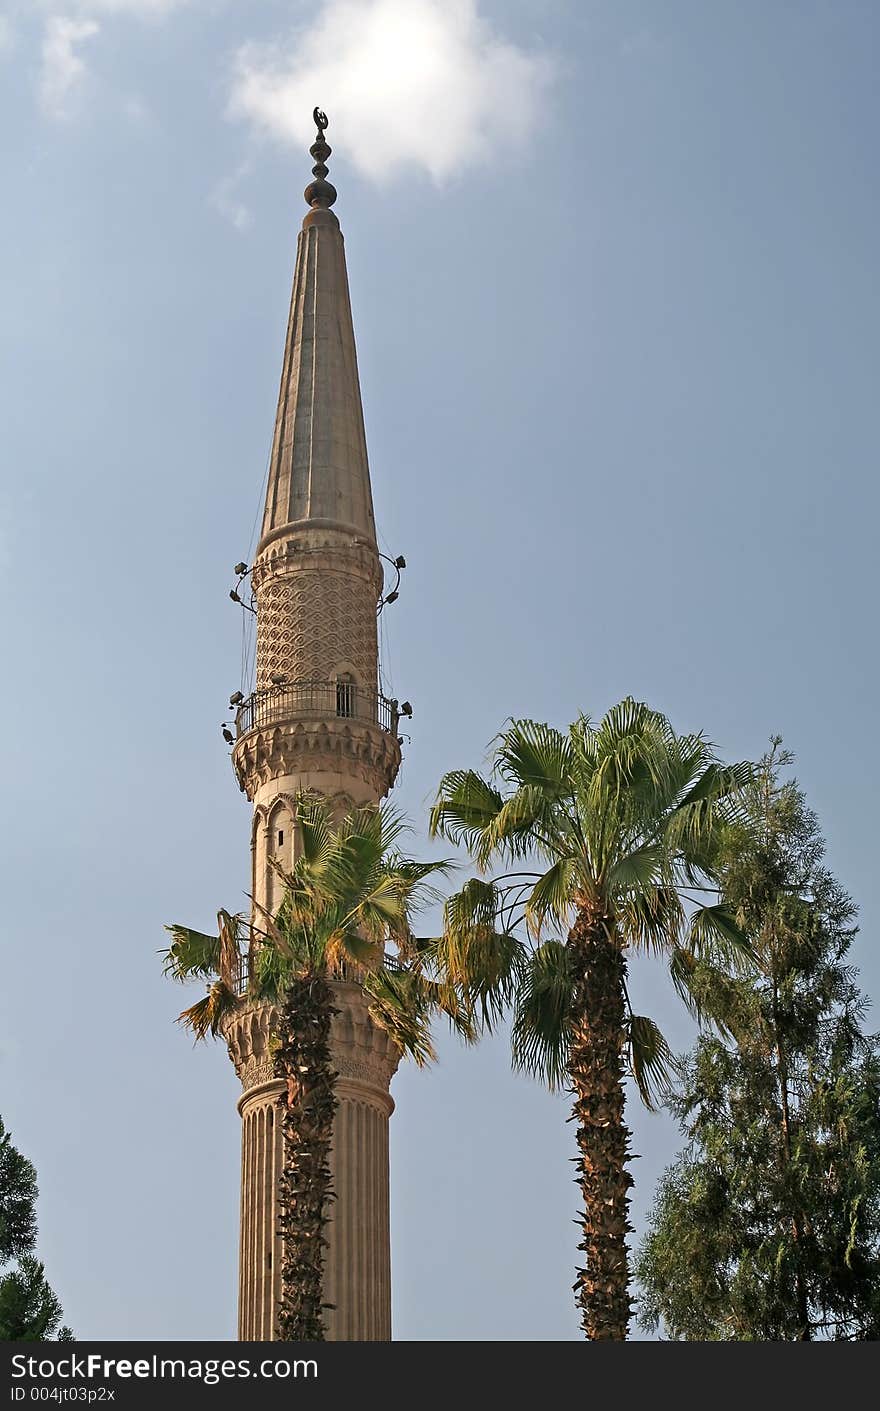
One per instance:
[(308, 1107), (595, 1065)]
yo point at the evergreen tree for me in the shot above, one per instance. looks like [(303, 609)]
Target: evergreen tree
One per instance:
[(767, 1227), (18, 1195), (29, 1310)]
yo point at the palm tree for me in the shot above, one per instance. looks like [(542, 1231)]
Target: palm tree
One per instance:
[(623, 820), (349, 894)]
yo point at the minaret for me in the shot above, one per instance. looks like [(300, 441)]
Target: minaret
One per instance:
[(316, 721)]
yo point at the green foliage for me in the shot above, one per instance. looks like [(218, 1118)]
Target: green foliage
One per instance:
[(651, 1059), (29, 1310), (346, 914), (191, 954), (612, 832), (627, 818), (767, 1228), (542, 1014), (18, 1196), (349, 896)]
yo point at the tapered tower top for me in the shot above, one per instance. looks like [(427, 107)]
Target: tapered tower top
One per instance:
[(319, 476)]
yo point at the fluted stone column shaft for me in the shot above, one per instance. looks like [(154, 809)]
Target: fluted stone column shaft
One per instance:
[(358, 1270)]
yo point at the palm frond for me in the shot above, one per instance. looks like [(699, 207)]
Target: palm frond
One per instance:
[(465, 805), (270, 973), (651, 1060), (346, 945), (456, 1008), (552, 895), (719, 781), (542, 1015), (530, 754), (714, 933), (476, 954), (526, 820), (426, 958), (695, 827), (635, 768), (279, 937), (392, 825), (415, 874), (652, 919), (229, 929), (682, 965), (206, 1015), (642, 868), (315, 826), (191, 955), (400, 1004), (384, 904)]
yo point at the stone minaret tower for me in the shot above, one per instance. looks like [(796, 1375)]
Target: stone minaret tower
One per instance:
[(316, 721)]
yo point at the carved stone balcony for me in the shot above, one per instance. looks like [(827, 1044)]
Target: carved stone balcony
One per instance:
[(311, 728)]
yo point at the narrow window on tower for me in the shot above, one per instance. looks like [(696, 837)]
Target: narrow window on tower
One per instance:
[(345, 694), (280, 837)]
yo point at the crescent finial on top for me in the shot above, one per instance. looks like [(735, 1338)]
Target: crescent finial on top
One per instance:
[(320, 193)]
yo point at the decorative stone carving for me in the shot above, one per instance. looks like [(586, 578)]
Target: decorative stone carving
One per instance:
[(336, 548), (344, 746), (362, 1052), (308, 623)]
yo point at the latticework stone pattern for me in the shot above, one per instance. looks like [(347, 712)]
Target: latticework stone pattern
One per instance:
[(311, 626)]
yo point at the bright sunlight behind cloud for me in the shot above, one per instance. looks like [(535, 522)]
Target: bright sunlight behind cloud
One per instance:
[(424, 83)]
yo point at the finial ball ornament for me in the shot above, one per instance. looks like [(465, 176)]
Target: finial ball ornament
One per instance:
[(320, 193)]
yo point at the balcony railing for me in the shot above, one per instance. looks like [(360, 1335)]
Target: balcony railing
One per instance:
[(311, 700), (239, 975)]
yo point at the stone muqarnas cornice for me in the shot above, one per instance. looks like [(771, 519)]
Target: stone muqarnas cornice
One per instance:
[(349, 747), (363, 1055)]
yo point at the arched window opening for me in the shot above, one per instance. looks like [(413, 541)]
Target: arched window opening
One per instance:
[(345, 694)]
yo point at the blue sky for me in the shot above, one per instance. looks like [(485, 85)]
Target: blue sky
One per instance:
[(614, 280)]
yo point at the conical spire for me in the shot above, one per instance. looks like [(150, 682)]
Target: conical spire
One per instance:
[(319, 471)]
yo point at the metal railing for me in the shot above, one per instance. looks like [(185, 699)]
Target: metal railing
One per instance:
[(309, 700), (239, 977)]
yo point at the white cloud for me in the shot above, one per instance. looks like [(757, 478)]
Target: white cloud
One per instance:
[(61, 68), (7, 37), (419, 83), (67, 25)]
